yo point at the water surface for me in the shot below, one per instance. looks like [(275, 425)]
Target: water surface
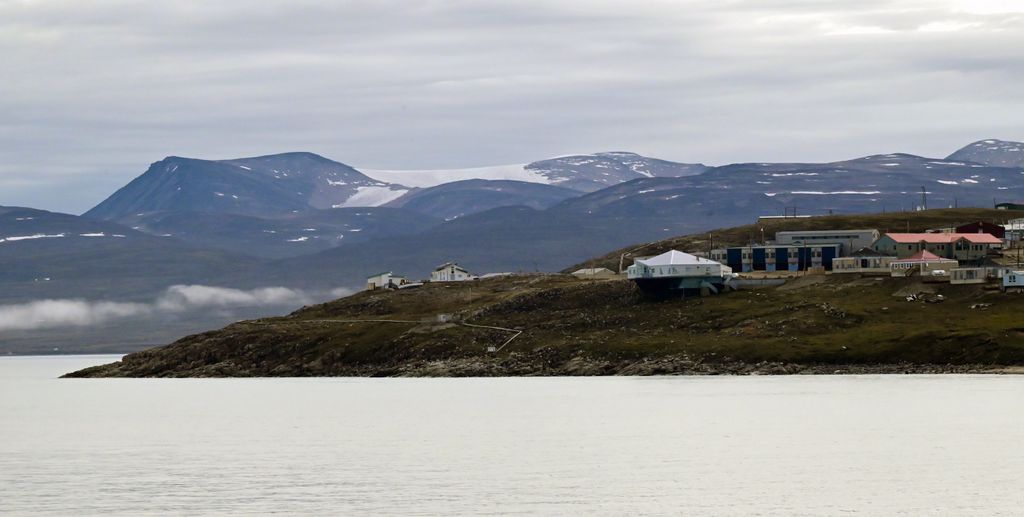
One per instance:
[(844, 445)]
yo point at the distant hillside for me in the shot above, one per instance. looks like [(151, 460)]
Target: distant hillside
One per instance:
[(734, 194), (585, 172), (53, 255), (461, 198), (592, 172), (740, 235), (502, 239), (997, 153), (565, 326), (264, 186), (290, 235)]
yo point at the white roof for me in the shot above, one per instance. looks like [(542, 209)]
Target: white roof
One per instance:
[(675, 258)]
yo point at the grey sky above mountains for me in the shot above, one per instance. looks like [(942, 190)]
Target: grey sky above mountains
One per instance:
[(92, 92)]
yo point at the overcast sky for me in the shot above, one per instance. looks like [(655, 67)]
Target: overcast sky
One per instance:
[(93, 92)]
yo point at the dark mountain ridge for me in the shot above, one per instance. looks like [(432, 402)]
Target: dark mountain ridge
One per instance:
[(263, 186)]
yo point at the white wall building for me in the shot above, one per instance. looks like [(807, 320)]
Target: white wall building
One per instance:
[(450, 272), (383, 281), (672, 264), (1013, 280)]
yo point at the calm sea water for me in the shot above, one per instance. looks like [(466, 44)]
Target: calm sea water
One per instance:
[(863, 445)]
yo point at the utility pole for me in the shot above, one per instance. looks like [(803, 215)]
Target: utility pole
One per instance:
[(924, 198)]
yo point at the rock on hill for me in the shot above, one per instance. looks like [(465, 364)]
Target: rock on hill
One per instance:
[(997, 153), (263, 186)]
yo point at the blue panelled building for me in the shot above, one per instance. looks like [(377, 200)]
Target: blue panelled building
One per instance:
[(778, 257)]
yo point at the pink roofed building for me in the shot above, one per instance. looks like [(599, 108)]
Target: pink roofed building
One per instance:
[(957, 246), (923, 261)]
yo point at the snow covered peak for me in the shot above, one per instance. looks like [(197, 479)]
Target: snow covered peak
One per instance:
[(996, 153), (584, 172)]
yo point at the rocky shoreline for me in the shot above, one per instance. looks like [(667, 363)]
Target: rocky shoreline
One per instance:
[(535, 365)]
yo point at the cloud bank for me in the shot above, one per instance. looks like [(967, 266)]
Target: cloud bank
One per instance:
[(178, 299)]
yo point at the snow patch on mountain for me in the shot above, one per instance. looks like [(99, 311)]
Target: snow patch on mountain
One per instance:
[(374, 195), (423, 178)]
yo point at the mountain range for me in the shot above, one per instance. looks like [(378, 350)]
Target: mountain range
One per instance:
[(301, 220)]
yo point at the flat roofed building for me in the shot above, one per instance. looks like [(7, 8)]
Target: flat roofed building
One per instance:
[(863, 261), (779, 257), (850, 239), (1014, 230), (594, 272), (1013, 280)]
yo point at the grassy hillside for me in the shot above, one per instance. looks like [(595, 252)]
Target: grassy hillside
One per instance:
[(740, 235), (574, 327)]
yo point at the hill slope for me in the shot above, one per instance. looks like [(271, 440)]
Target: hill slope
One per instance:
[(997, 153), (289, 235), (736, 193), (585, 172), (460, 198), (53, 255), (575, 327), (740, 235), (262, 186), (572, 327)]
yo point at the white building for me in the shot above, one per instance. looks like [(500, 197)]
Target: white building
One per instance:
[(675, 271), (968, 275), (386, 280), (863, 261), (450, 272), (1014, 230), (850, 239), (1013, 280), (594, 272)]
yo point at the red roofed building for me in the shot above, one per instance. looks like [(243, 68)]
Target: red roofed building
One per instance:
[(992, 229), (959, 246)]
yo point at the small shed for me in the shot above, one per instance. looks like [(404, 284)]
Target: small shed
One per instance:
[(1013, 280), (594, 272)]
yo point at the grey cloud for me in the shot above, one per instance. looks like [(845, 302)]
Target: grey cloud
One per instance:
[(178, 299), (95, 91)]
